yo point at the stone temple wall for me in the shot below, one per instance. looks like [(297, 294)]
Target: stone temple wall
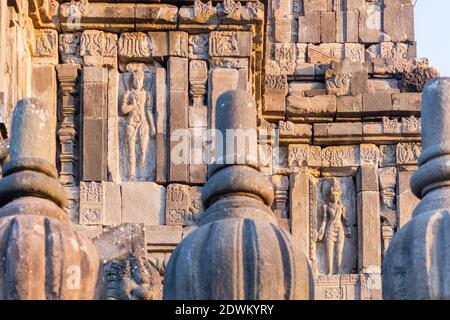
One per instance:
[(337, 84)]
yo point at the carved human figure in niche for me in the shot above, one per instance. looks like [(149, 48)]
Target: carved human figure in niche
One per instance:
[(333, 227), (139, 126)]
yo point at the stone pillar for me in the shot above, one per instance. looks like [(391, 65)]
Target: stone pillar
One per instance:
[(369, 228), (44, 257), (238, 235), (94, 126), (44, 88), (299, 207), (68, 126), (416, 265), (162, 151), (179, 115), (113, 126)]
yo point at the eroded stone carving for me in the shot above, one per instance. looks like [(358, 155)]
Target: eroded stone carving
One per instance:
[(98, 48), (233, 10), (69, 48), (134, 278), (224, 44), (46, 43), (139, 129), (334, 227), (388, 182), (198, 46), (198, 76), (92, 203), (408, 153)]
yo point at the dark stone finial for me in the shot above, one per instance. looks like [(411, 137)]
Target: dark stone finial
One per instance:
[(416, 263), (43, 255), (238, 251)]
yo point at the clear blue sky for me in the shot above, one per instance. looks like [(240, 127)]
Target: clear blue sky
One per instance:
[(433, 33)]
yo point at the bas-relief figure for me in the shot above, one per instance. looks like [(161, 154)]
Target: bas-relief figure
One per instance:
[(335, 226), (138, 127)]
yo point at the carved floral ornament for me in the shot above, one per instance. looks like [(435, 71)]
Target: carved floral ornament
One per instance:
[(229, 9)]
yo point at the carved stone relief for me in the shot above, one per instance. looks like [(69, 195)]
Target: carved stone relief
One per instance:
[(333, 226), (183, 205), (198, 46), (69, 48), (137, 126), (388, 182), (92, 203)]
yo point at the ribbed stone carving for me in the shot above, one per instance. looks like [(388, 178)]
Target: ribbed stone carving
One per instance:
[(238, 251), (417, 263), (42, 255)]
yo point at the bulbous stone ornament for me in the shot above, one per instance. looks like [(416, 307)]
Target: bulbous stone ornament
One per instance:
[(238, 251), (417, 263), (42, 255)]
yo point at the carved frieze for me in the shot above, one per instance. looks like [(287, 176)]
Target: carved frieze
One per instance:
[(69, 48), (200, 13), (303, 155), (45, 46), (183, 205), (135, 46), (285, 57), (340, 156), (98, 48), (233, 11), (198, 46), (388, 155), (92, 203), (230, 44), (408, 153), (369, 155)]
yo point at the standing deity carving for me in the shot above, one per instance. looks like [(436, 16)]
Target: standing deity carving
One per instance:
[(333, 227), (139, 127)]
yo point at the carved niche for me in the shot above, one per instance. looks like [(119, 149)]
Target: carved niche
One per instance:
[(333, 226), (137, 126)]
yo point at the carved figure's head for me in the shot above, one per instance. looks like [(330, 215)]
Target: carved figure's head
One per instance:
[(137, 79), (335, 191)]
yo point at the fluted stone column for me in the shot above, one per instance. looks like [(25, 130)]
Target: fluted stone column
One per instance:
[(417, 263), (43, 256), (238, 251)]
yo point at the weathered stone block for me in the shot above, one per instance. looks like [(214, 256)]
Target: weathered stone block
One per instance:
[(369, 232), (328, 27), (318, 105), (230, 44), (143, 202), (163, 235), (367, 179), (350, 106), (325, 53), (309, 28), (377, 103), (410, 102), (316, 5), (398, 20), (113, 205), (283, 29)]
